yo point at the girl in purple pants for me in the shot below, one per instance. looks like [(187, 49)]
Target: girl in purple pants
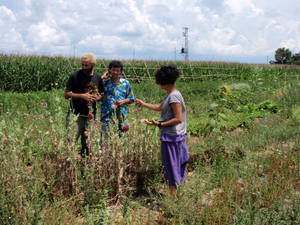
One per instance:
[(172, 127)]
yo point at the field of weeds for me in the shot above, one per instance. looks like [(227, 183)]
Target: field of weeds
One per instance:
[(244, 168)]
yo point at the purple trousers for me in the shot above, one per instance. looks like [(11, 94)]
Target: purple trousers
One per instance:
[(174, 154)]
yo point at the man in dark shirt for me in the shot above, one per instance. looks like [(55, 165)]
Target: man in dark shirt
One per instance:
[(84, 87)]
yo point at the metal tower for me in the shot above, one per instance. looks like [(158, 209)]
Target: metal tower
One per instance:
[(185, 50)]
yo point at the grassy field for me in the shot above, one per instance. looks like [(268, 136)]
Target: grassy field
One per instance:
[(243, 139)]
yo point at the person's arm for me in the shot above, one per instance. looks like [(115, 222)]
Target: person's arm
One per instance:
[(68, 94), (105, 75), (155, 107), (123, 101), (129, 98), (85, 96), (177, 110)]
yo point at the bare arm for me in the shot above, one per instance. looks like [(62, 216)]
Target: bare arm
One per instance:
[(155, 107), (85, 96), (177, 110), (123, 101), (105, 75)]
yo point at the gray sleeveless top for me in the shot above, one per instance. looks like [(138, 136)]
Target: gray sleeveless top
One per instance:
[(167, 114)]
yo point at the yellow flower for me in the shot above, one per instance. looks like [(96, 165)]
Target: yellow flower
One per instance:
[(225, 90)]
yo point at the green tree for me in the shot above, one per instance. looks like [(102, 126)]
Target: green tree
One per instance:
[(283, 56), (296, 58)]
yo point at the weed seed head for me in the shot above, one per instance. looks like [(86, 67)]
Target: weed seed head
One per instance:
[(43, 105), (126, 127), (90, 116)]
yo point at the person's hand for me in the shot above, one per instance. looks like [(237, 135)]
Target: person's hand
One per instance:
[(148, 122), (105, 75), (88, 97), (152, 122), (120, 102), (97, 97), (155, 123), (139, 102)]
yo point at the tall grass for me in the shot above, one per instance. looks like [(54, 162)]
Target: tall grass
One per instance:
[(241, 175), (40, 163)]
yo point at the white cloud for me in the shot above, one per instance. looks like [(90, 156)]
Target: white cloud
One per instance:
[(6, 14), (245, 7), (292, 44), (47, 40), (10, 39), (105, 44), (220, 42), (150, 28)]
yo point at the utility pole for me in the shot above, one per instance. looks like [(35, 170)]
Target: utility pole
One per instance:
[(74, 51), (185, 50), (133, 54)]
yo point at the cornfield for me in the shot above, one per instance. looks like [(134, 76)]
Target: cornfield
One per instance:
[(23, 73)]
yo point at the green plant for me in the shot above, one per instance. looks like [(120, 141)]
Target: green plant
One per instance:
[(239, 176)]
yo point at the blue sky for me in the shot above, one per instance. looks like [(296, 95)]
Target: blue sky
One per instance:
[(247, 31)]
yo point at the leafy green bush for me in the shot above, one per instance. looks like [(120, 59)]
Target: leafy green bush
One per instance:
[(296, 114)]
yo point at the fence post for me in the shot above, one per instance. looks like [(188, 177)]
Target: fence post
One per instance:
[(147, 70), (191, 69)]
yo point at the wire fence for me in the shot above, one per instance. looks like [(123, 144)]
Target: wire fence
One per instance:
[(191, 71)]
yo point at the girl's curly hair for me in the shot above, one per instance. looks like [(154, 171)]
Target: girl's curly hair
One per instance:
[(167, 75)]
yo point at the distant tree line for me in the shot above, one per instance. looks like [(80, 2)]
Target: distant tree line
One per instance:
[(285, 56)]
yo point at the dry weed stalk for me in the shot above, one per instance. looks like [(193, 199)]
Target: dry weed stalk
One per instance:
[(117, 168)]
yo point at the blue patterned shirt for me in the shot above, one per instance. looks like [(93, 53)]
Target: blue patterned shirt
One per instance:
[(113, 93)]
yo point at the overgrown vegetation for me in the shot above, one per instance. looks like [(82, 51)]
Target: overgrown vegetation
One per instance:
[(244, 168)]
